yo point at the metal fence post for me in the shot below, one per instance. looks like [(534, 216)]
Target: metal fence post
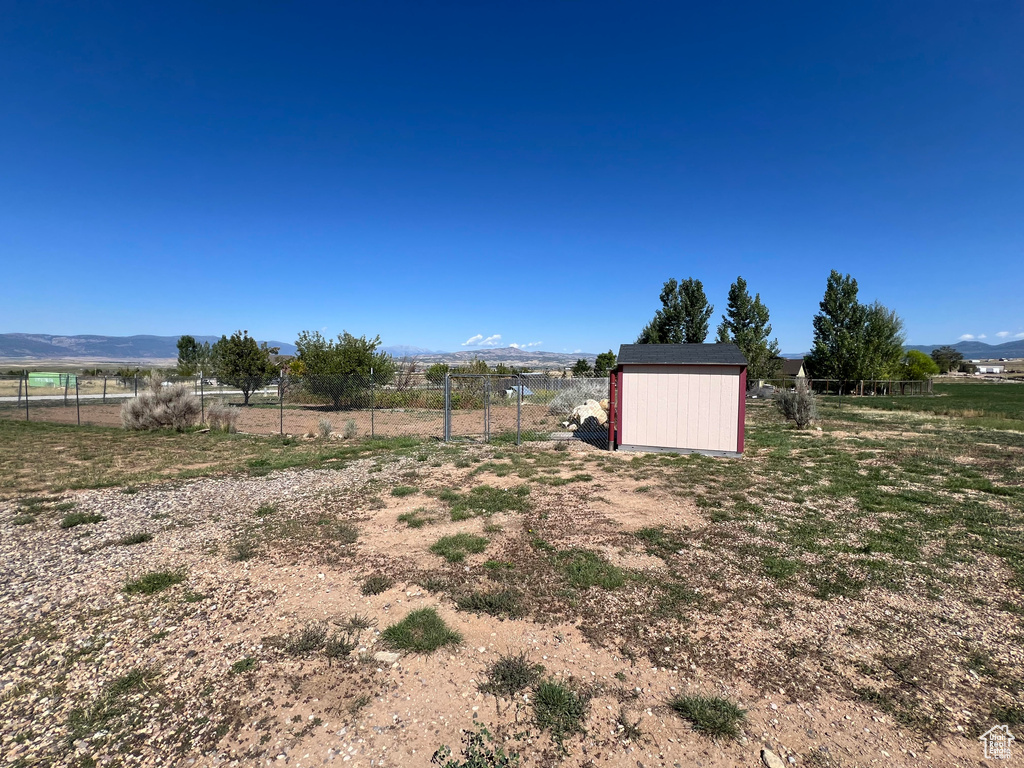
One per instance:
[(487, 409), (280, 396), (519, 410), (26, 396), (78, 407), (19, 390), (446, 424), (202, 400), (372, 403), (104, 390), (67, 382), (136, 385)]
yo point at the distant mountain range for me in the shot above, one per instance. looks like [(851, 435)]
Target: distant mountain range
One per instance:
[(42, 346), (979, 349)]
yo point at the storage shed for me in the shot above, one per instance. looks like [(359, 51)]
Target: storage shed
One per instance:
[(688, 398)]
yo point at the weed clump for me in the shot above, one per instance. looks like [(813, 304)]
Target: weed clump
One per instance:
[(559, 709), (503, 602), (454, 548), (311, 638), (74, 519), (376, 583), (223, 417), (511, 674), (153, 582), (324, 428), (584, 569), (402, 490), (712, 715), (135, 538), (422, 631)]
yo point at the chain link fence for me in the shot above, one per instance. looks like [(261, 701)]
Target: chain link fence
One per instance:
[(457, 407), (859, 387)]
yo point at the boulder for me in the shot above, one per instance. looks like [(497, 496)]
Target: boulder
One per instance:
[(771, 760), (590, 410)]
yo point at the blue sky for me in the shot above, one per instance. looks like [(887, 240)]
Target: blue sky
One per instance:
[(435, 172)]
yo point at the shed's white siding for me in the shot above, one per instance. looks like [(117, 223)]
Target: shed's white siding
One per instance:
[(686, 407)]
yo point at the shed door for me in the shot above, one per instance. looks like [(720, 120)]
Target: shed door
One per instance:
[(688, 406)]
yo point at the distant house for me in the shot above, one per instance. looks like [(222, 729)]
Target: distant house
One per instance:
[(792, 368), (991, 368), (513, 391)]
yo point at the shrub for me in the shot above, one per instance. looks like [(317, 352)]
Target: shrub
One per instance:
[(135, 538), (351, 431), (224, 417), (421, 631), (797, 405), (324, 428), (715, 716), (162, 407)]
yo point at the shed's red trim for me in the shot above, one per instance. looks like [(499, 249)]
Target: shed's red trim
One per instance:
[(743, 410), (611, 410), (618, 404)]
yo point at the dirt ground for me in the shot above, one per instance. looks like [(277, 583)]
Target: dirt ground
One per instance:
[(214, 683)]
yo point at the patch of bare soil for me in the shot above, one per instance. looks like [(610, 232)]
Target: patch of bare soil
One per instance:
[(208, 671)]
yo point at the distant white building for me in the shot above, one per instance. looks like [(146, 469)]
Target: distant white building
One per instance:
[(991, 368)]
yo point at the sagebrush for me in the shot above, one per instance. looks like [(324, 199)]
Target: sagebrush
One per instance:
[(797, 404), (162, 407)]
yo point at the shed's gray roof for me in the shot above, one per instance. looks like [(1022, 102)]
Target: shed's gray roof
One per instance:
[(680, 354)]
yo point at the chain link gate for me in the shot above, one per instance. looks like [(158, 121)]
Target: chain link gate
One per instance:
[(483, 407)]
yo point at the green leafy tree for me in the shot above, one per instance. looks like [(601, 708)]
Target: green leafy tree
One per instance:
[(582, 368), (838, 332), (882, 351), (854, 341), (917, 366), (244, 363), (436, 373), (340, 370), (188, 356), (745, 324), (947, 359), (604, 363), (683, 317)]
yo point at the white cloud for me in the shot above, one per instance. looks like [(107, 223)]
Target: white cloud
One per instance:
[(515, 346), (1003, 334), (472, 340), (576, 351), (982, 336), (535, 343), (491, 341), (1019, 335), (966, 337)]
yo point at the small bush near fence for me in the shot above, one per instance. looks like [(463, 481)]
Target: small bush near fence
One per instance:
[(162, 407), (221, 416), (797, 405)]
